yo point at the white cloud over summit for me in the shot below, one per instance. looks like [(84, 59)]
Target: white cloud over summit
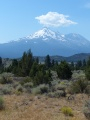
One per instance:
[(54, 19)]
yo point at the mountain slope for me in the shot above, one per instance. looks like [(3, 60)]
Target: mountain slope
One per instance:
[(45, 42)]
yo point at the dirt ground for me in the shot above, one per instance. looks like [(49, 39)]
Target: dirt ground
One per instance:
[(27, 107)]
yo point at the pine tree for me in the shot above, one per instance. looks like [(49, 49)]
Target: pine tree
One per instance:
[(24, 64), (53, 62), (84, 64), (33, 70), (1, 66), (88, 62), (72, 65), (30, 60), (37, 60), (64, 71), (0, 61), (47, 62), (87, 70), (79, 65)]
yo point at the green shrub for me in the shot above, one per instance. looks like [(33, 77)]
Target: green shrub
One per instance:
[(19, 88), (36, 91), (65, 82), (67, 111), (78, 86), (1, 103), (40, 89), (88, 82), (28, 85), (27, 80), (86, 109), (15, 84), (18, 92), (7, 89), (44, 88), (6, 80), (7, 74), (51, 95), (57, 94), (87, 90), (54, 83), (78, 74), (60, 87), (52, 89)]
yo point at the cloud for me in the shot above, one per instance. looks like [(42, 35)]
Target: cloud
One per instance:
[(54, 19), (87, 5)]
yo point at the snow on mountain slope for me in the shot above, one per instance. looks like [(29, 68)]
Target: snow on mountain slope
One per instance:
[(46, 41), (45, 32)]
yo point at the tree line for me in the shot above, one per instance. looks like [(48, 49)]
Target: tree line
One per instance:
[(39, 73)]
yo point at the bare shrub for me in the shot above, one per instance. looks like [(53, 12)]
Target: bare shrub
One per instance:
[(86, 109)]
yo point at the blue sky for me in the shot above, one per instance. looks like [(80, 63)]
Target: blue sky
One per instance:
[(20, 18)]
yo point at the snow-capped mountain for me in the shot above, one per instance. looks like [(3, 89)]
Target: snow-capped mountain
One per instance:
[(46, 41), (46, 34)]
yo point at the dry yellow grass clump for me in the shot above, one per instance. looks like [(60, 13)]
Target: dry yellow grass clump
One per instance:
[(26, 107)]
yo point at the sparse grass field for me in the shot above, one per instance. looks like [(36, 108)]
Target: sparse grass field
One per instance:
[(27, 107), (22, 105)]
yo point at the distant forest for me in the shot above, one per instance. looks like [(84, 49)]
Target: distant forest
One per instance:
[(40, 73)]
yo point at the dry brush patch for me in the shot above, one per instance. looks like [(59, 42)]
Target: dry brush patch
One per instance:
[(30, 107)]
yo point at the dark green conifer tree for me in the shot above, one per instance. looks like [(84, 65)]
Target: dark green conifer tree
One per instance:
[(64, 70), (87, 70), (47, 62)]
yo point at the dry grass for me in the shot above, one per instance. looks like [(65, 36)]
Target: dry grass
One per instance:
[(26, 107)]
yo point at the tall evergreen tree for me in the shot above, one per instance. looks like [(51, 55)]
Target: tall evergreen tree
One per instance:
[(24, 64), (64, 71), (37, 60), (47, 62), (72, 65), (33, 70), (84, 64), (88, 62), (79, 65), (30, 59), (53, 63), (87, 70), (0, 61), (1, 66)]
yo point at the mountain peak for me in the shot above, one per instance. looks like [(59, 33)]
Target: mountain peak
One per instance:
[(45, 32), (45, 29), (46, 41)]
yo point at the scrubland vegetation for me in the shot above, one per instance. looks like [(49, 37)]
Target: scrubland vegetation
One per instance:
[(30, 90)]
